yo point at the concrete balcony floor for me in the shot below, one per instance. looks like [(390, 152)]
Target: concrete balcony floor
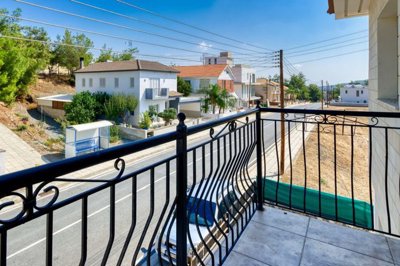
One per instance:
[(277, 237)]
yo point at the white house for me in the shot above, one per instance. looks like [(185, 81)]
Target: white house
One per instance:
[(245, 80), (244, 77), (354, 93), (202, 76), (384, 88), (152, 83)]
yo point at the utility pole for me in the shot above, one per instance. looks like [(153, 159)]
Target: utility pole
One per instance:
[(327, 93), (322, 96), (282, 103)]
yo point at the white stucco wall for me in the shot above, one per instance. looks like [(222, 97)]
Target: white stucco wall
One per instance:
[(348, 94), (195, 82), (167, 80), (383, 39)]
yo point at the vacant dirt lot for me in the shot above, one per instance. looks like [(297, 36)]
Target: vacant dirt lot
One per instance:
[(17, 117), (314, 167)]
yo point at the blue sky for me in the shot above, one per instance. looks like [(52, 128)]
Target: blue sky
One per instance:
[(270, 24)]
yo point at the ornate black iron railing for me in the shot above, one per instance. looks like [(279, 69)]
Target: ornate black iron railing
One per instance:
[(337, 165), (191, 203)]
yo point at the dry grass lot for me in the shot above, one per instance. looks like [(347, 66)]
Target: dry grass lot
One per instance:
[(343, 159)]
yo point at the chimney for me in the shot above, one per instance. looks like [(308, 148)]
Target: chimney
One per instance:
[(81, 63)]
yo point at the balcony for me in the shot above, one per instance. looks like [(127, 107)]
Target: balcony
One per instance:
[(264, 187), (156, 93)]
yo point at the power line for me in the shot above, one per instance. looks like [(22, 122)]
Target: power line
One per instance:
[(100, 34), (327, 45), (322, 58), (188, 25), (118, 25), (91, 48), (327, 40), (324, 50), (159, 26)]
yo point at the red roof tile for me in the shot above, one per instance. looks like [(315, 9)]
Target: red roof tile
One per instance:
[(201, 71)]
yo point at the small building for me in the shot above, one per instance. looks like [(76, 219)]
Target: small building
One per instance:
[(224, 58), (270, 92), (244, 77), (85, 138), (245, 80), (150, 82), (203, 76), (354, 93), (53, 106)]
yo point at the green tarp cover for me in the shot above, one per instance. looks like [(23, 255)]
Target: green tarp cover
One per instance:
[(344, 204)]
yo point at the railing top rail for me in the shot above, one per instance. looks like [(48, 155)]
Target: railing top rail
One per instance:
[(48, 172), (198, 128), (332, 112)]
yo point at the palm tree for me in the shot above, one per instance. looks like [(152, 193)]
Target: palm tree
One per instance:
[(213, 97)]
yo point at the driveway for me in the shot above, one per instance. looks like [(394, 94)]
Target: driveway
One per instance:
[(18, 154)]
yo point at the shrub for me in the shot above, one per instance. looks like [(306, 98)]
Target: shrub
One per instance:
[(153, 113), (81, 109), (145, 121), (184, 87), (101, 98), (115, 134), (168, 115), (116, 107), (22, 128)]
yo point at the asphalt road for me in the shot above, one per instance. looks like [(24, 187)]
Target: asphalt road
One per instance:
[(27, 243)]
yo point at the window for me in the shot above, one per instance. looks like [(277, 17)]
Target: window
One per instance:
[(132, 83), (209, 61), (116, 82), (102, 82), (204, 83), (357, 93), (215, 60), (83, 82), (154, 83), (58, 105), (345, 92), (362, 92), (90, 82)]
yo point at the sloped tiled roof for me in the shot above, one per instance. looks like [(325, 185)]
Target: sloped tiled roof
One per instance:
[(134, 65), (201, 70)]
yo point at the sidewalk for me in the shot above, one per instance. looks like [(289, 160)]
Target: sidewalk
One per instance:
[(18, 154)]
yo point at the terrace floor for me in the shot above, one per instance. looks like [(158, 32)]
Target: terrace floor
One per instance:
[(278, 237)]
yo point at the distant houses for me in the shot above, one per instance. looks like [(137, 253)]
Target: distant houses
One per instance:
[(203, 76)]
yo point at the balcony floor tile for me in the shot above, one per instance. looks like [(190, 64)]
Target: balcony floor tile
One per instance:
[(280, 237), (319, 253), (285, 220), (363, 242), (270, 245)]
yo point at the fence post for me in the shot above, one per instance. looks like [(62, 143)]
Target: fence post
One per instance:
[(181, 190), (260, 189)]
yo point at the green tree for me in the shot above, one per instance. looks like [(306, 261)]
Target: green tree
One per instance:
[(109, 55), (82, 109), (212, 97), (70, 48), (20, 60), (116, 107), (315, 93), (184, 87), (126, 55), (105, 54), (297, 86), (168, 115)]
